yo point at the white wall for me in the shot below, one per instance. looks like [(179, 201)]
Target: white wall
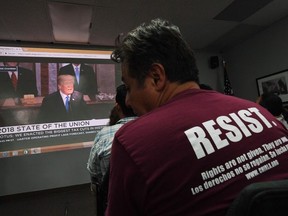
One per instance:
[(211, 77), (43, 171), (264, 54)]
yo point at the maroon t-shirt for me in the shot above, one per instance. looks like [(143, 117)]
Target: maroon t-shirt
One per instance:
[(193, 155)]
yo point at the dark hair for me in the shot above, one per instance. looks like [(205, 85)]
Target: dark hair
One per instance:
[(157, 42), (272, 103), (121, 92)]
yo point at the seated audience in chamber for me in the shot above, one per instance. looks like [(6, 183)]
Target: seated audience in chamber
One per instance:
[(182, 155), (64, 104)]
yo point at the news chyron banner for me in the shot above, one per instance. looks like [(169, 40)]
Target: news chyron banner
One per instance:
[(36, 136)]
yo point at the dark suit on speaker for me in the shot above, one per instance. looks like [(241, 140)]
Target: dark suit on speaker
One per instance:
[(87, 81), (53, 108), (26, 84)]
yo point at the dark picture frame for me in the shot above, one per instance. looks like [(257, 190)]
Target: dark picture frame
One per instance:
[(276, 83)]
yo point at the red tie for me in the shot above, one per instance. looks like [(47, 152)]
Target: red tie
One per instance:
[(14, 80)]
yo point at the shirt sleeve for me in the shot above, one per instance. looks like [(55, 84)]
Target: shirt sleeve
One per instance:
[(127, 188), (93, 164)]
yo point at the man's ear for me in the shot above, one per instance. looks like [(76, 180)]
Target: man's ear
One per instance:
[(158, 75)]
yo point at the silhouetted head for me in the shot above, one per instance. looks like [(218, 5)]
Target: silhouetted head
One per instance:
[(272, 102), (121, 92)]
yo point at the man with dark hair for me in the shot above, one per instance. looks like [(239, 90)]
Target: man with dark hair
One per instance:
[(64, 104), (98, 162), (192, 150), (85, 78)]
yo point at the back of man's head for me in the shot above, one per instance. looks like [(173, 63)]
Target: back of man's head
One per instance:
[(121, 92), (272, 103), (158, 41)]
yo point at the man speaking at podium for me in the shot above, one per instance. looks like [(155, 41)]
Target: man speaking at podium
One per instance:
[(85, 78), (64, 104)]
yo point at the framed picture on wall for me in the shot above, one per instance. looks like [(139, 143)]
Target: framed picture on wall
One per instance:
[(276, 83)]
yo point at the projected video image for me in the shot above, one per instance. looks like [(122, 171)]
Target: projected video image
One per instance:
[(53, 104)]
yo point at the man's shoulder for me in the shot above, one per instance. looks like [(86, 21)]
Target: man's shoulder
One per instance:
[(107, 133), (25, 72), (52, 95), (86, 66), (66, 66), (134, 126), (112, 128), (4, 74), (77, 95), (87, 70)]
